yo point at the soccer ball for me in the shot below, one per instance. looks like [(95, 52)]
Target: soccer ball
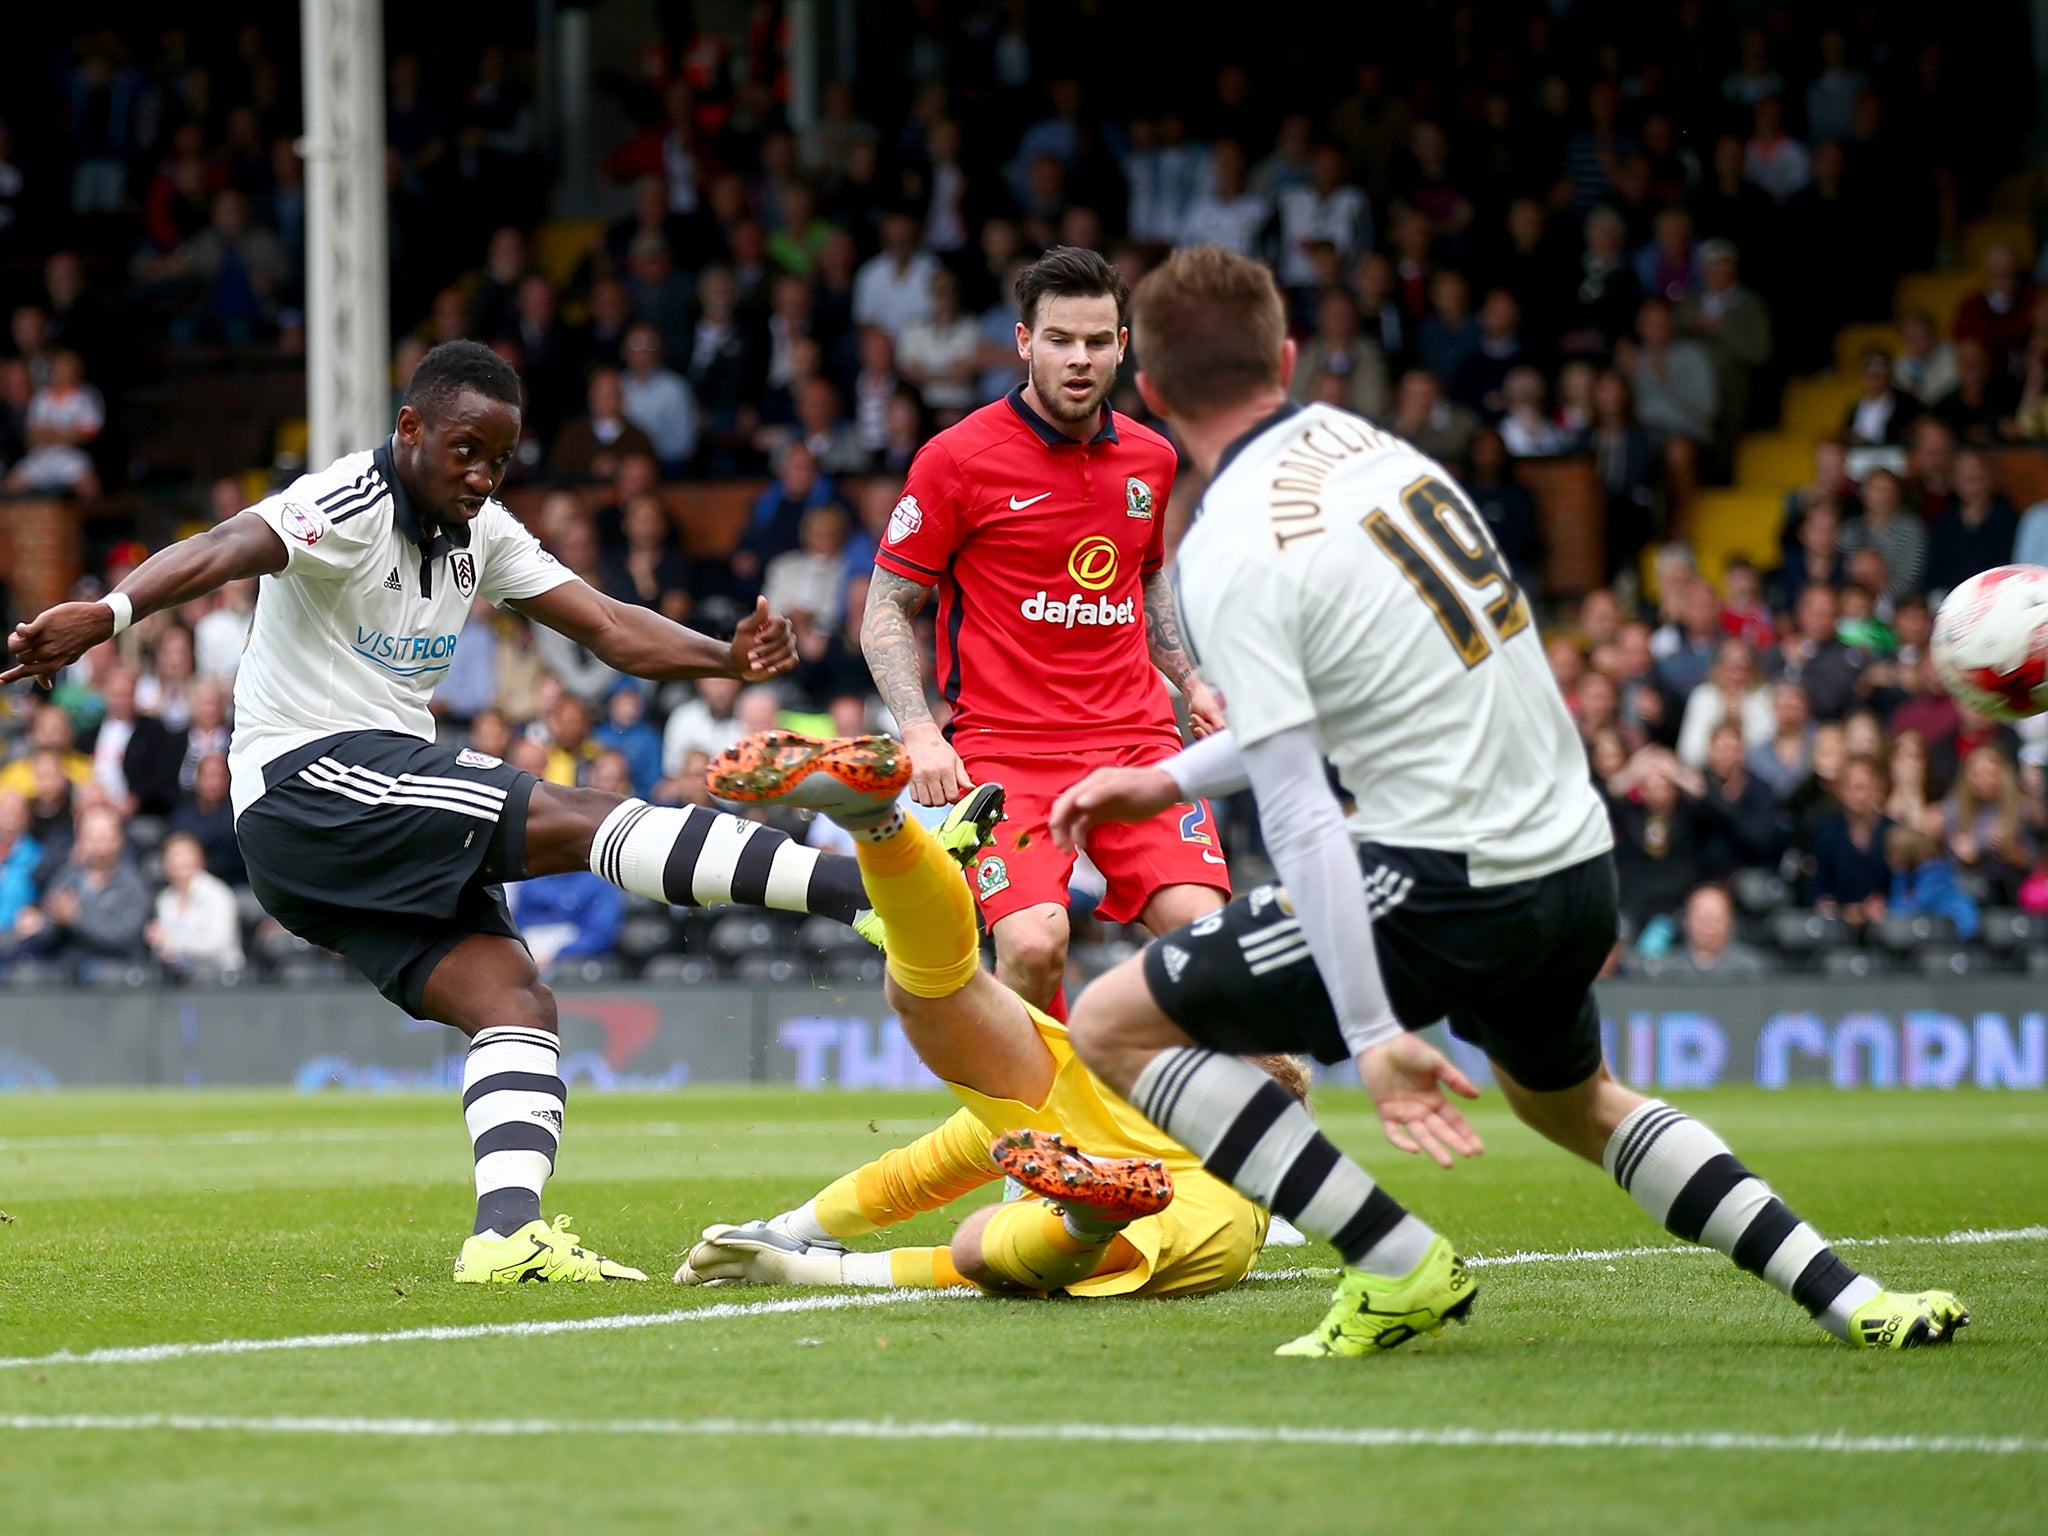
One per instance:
[(1990, 642)]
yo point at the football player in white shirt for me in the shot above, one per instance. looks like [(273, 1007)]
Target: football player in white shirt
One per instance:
[(1350, 604), (365, 837)]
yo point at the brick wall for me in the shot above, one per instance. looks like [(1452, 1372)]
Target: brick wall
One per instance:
[(39, 552)]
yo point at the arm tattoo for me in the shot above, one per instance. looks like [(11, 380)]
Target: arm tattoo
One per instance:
[(889, 643), (1163, 634)]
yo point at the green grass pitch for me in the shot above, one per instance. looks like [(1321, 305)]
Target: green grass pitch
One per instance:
[(141, 1220)]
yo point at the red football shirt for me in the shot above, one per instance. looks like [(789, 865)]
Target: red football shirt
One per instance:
[(1039, 547)]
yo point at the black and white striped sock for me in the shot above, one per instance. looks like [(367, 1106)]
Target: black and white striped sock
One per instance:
[(688, 856), (1252, 1134), (513, 1098), (1687, 1179)]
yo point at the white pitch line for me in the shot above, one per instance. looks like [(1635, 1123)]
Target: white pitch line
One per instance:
[(1963, 1239), (839, 1301), (145, 1354), (709, 1130), (1839, 1443)]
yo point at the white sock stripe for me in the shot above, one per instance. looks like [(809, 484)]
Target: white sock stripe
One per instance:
[(1343, 1191), (1731, 1218), (608, 860), (1666, 1158), (789, 877), (493, 1033), (711, 878), (1641, 1139), (518, 1169), (604, 842), (1798, 1250)]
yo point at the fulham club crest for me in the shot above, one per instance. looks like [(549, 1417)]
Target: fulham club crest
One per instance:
[(462, 566)]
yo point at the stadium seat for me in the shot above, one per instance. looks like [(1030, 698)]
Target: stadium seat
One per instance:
[(1758, 891), (742, 934), (679, 970), (1949, 960), (2008, 928), (643, 936), (2037, 962), (1905, 933), (148, 832), (1855, 962), (248, 908), (590, 968), (850, 966), (315, 969), (1801, 931), (828, 936), (772, 970)]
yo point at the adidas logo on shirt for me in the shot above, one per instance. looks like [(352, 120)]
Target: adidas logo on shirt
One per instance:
[(391, 583)]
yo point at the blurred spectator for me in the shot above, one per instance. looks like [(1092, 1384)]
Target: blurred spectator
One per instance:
[(1607, 296), (1441, 428), (493, 310), (1686, 646), (1324, 209), (657, 400), (208, 818), (1772, 158), (65, 417), (1979, 409), (625, 730), (1813, 657), (1338, 348), (1676, 397), (233, 269), (1226, 211), (1986, 822), (939, 353), (97, 905), (727, 362), (1906, 771), (1850, 878), (1744, 826), (1626, 460), (1508, 508), (589, 447), (1525, 430), (218, 637), (1782, 758), (1743, 614), (893, 288), (1832, 95), (1926, 365), (197, 929), (700, 727), (650, 569), (1657, 834), (135, 759), (567, 917), (1888, 528), (1496, 353), (1976, 532), (1734, 325), (1924, 882), (1449, 333), (1733, 693), (1998, 315), (19, 855), (1710, 947), (1930, 712), (570, 748), (1815, 558), (207, 732), (1930, 466), (1669, 266), (165, 689), (49, 732)]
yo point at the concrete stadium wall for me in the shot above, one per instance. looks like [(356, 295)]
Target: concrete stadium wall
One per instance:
[(1774, 1034)]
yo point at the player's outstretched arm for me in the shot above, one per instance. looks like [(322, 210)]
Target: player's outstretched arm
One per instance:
[(641, 643), (1169, 649), (242, 546), (889, 642)]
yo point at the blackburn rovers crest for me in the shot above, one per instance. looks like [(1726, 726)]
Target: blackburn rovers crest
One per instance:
[(1137, 498), (991, 875)]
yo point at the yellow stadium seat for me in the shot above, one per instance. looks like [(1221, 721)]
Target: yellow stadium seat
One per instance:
[(559, 247), (1979, 235), (1852, 341), (292, 437), (1727, 523), (1814, 407), (1772, 461), (1938, 293)]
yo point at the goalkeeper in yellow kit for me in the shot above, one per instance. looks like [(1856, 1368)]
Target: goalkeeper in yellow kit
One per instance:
[(1126, 1210)]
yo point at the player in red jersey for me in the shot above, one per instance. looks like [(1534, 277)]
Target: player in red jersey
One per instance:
[(1038, 520)]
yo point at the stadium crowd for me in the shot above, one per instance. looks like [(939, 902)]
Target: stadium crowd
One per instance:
[(1505, 234)]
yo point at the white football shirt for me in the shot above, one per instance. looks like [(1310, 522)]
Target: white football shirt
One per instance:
[(358, 629), (1337, 577)]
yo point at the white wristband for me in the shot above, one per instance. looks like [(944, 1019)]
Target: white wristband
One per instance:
[(124, 611)]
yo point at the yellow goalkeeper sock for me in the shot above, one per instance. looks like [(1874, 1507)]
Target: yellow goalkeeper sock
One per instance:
[(924, 1268), (939, 1167), (923, 900), (1028, 1242)]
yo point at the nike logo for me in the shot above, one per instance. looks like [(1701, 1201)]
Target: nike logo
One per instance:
[(1019, 506)]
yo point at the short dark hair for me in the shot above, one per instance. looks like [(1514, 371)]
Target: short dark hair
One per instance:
[(454, 366), (1070, 272)]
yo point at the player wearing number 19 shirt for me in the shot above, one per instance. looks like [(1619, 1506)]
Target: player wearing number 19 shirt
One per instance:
[(1351, 606)]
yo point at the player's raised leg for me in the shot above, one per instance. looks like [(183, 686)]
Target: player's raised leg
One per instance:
[(1688, 1181), (513, 1099), (1400, 1278)]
